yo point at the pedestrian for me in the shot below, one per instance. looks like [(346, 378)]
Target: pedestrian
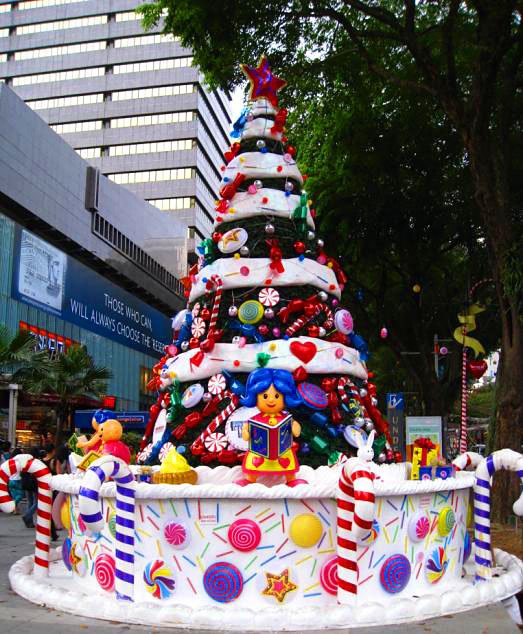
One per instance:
[(5, 454), (30, 486), (15, 485)]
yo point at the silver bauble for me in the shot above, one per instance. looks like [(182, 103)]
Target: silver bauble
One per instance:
[(289, 186), (269, 228), (269, 313), (207, 396), (310, 235), (320, 243), (382, 457), (322, 296), (236, 340), (363, 392), (321, 331), (184, 345), (260, 144), (258, 184), (369, 426), (233, 311), (244, 250)]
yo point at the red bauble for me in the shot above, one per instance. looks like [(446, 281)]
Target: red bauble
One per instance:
[(477, 368), (398, 457), (313, 331), (300, 374), (216, 236), (194, 343), (299, 247), (290, 149), (205, 314)]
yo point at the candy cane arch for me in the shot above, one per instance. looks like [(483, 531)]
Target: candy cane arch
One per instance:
[(91, 513), (468, 460), (503, 459), (355, 515), (25, 463)]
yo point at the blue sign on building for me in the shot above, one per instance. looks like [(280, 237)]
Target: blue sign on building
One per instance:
[(396, 401), (47, 278), (131, 421)]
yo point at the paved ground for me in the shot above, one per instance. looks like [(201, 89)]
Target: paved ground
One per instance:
[(21, 617)]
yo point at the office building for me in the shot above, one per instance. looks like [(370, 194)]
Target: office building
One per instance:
[(129, 102)]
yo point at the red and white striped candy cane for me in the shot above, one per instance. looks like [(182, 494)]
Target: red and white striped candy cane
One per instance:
[(354, 393), (355, 515), (304, 319), (468, 459), (464, 397), (218, 419), (218, 286), (25, 463)]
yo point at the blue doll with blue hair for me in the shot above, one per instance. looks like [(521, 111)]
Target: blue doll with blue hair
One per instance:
[(270, 433)]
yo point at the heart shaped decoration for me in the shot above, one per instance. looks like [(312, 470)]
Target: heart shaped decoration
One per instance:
[(284, 462), (477, 367), (257, 461), (305, 352)]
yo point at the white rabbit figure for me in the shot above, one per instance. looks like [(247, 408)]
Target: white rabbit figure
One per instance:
[(365, 450)]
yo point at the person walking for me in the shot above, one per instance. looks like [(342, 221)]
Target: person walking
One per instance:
[(48, 457), (30, 486), (15, 485)]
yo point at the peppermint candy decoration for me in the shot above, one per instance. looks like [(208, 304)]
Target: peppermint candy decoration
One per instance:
[(145, 453), (329, 575), (269, 297), (216, 384), (104, 571), (198, 327), (165, 450), (216, 442), (244, 535), (176, 534)]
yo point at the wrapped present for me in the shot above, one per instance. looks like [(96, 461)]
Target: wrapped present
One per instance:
[(441, 472), (445, 471), (424, 454)]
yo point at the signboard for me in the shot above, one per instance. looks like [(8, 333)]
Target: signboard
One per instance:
[(424, 427), (131, 421), (47, 278), (396, 420)]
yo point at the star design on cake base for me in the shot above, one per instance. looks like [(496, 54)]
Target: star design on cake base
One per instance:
[(263, 83), (279, 585)]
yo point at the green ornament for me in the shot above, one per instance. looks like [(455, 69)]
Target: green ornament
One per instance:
[(333, 457), (379, 444), (319, 445), (299, 215), (207, 247), (262, 359), (175, 405)]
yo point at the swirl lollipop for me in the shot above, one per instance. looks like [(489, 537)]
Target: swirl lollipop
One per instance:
[(329, 575), (198, 327), (216, 384), (418, 526), (159, 579), (166, 447), (372, 535), (104, 571), (244, 535), (436, 565), (145, 453), (395, 574), (269, 297), (215, 442), (446, 521), (223, 582), (177, 534)]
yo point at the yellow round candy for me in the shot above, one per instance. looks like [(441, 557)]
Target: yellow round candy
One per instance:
[(446, 521), (416, 288), (306, 530), (65, 514), (250, 312)]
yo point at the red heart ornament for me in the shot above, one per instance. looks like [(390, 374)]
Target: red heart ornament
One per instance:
[(257, 461), (477, 368), (284, 462), (300, 374), (305, 352)]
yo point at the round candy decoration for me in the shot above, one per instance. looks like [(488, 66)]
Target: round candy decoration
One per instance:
[(192, 395), (216, 442), (166, 447), (343, 321), (223, 582), (177, 534), (233, 240), (436, 565), (372, 535), (198, 327), (244, 535), (145, 453), (104, 571), (250, 312), (467, 547), (306, 530), (269, 297), (112, 524), (179, 319), (395, 574), (351, 433), (217, 384), (313, 396), (77, 559), (234, 426), (329, 575), (66, 553), (159, 579), (446, 521), (418, 527)]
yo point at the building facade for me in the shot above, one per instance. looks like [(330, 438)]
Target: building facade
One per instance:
[(129, 102), (79, 262)]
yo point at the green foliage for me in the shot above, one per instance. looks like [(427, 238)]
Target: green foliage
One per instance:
[(18, 352)]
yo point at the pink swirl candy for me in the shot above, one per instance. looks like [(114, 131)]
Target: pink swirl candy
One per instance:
[(244, 535), (329, 575), (104, 571), (176, 534)]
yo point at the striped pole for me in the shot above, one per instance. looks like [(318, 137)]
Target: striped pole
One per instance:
[(218, 419), (502, 459), (468, 459), (464, 397), (304, 319), (218, 285), (355, 515), (25, 463), (90, 511)]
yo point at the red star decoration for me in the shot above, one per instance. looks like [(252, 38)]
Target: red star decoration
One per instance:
[(263, 83)]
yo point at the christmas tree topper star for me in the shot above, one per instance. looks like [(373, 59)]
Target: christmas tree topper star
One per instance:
[(263, 83)]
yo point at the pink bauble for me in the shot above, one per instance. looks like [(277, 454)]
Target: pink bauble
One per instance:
[(339, 353), (321, 259), (276, 332), (384, 333), (443, 350), (244, 270)]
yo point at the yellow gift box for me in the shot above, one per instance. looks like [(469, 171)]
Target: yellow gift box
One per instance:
[(423, 457)]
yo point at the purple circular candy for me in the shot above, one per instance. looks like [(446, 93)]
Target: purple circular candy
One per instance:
[(395, 574), (313, 396), (223, 582), (66, 553)]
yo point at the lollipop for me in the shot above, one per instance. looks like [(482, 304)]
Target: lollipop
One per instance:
[(176, 534), (223, 582), (250, 312), (216, 384), (467, 547), (269, 297), (313, 396), (418, 526), (395, 574), (244, 535), (372, 535), (77, 559), (159, 579), (198, 327), (343, 321), (446, 521), (436, 564), (66, 553), (145, 453), (166, 447), (329, 575), (192, 395), (216, 442), (104, 571)]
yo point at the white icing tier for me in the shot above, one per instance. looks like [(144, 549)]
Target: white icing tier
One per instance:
[(262, 165), (229, 356), (260, 127), (257, 270), (245, 205), (263, 107)]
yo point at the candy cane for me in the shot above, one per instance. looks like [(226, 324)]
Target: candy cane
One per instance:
[(90, 511), (464, 397), (218, 419), (468, 459), (355, 515), (304, 319), (502, 459), (218, 284), (25, 463), (342, 383)]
